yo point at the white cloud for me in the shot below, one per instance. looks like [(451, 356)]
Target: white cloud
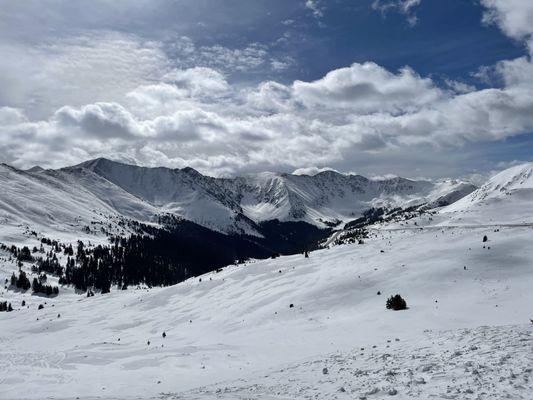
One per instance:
[(312, 170), (196, 116), (10, 116), (198, 82), (76, 71), (513, 16), (251, 58), (104, 66), (368, 88), (459, 87), (406, 7), (315, 7)]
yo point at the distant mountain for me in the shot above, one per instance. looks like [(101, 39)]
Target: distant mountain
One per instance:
[(100, 192), (321, 199), (36, 168)]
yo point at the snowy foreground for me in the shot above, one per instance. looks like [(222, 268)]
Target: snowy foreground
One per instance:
[(466, 334)]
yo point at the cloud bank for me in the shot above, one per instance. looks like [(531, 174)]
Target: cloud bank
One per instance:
[(190, 115)]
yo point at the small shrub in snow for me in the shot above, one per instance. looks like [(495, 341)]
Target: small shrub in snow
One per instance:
[(396, 303)]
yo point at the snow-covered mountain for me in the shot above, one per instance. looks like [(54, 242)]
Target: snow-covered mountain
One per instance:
[(506, 198), (287, 327), (101, 191)]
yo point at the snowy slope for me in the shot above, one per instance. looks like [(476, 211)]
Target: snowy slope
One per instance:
[(505, 198), (234, 336), (54, 202), (184, 192)]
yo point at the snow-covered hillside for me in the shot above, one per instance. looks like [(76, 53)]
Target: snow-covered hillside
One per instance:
[(505, 198), (59, 203), (234, 334), (102, 191), (290, 327)]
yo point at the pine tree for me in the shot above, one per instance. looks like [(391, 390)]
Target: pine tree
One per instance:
[(396, 303)]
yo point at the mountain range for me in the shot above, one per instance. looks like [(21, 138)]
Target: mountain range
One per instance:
[(102, 192)]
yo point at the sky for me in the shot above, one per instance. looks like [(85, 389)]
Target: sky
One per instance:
[(418, 88)]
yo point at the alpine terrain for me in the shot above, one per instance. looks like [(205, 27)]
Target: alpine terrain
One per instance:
[(126, 282)]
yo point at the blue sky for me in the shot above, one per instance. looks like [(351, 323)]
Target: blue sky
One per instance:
[(413, 87)]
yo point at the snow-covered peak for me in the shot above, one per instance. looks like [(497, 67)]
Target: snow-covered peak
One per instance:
[(514, 180), (230, 205), (505, 198), (519, 177)]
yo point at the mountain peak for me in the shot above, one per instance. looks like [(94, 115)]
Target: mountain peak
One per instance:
[(36, 168), (97, 162)]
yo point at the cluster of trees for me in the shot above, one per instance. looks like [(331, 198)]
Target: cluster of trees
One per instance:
[(21, 281), (50, 265), (356, 235), (380, 214), (155, 260), (161, 257), (20, 255), (4, 306), (24, 254), (38, 286)]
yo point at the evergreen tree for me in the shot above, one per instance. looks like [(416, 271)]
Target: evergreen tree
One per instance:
[(396, 303)]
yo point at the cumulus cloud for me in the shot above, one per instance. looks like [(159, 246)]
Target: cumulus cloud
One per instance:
[(197, 116), (368, 88), (513, 16)]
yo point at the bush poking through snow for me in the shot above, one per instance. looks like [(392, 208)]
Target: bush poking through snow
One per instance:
[(396, 303)]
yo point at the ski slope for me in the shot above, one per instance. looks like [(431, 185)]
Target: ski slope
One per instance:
[(236, 328)]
